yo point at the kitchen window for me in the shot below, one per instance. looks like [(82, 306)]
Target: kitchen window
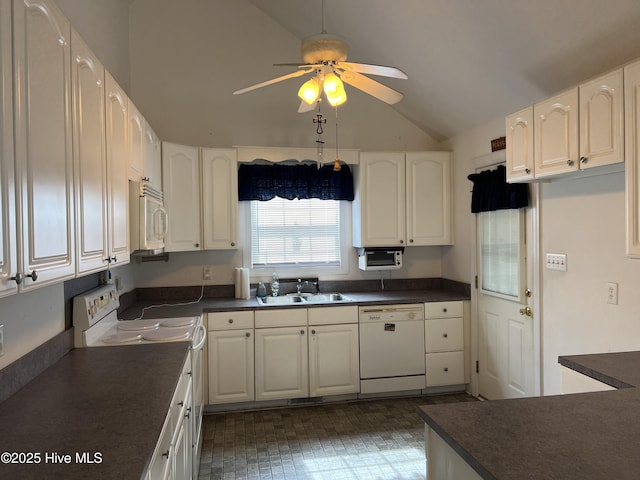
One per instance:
[(298, 234)]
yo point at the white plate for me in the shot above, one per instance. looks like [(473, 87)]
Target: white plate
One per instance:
[(138, 325)]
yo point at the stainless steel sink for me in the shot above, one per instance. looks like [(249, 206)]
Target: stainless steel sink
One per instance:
[(284, 300), (295, 298), (327, 298)]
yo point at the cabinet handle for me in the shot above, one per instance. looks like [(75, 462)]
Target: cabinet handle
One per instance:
[(231, 320), (444, 310), (313, 332), (181, 403), (445, 335), (166, 454), (446, 369), (411, 240), (401, 241), (197, 245), (570, 162), (233, 244), (33, 275), (584, 160), (301, 332), (527, 171), (111, 259), (18, 278), (146, 179), (188, 413), (248, 334)]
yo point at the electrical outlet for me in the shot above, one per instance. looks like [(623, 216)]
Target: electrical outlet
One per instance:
[(556, 261), (206, 273), (612, 293), (1, 340)]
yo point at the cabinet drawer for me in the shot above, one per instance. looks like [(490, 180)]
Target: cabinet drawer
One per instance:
[(333, 315), (281, 317), (443, 309), (445, 368), (230, 320), (443, 334)]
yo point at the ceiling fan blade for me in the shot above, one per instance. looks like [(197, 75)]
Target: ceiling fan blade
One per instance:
[(299, 65), (373, 88), (305, 107), (380, 70), (274, 80)]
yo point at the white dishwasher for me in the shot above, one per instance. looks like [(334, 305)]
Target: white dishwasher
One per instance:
[(392, 348)]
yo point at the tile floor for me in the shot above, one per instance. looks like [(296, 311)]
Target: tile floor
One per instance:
[(372, 439)]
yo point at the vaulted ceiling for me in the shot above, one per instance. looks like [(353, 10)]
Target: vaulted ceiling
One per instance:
[(470, 61)]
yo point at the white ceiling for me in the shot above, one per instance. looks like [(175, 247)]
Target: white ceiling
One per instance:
[(472, 61)]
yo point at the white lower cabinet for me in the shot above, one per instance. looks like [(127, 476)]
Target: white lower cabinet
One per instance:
[(172, 457), (281, 363), (231, 357), (444, 343), (334, 360), (443, 462)]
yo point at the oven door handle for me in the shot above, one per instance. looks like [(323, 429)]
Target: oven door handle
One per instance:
[(202, 329)]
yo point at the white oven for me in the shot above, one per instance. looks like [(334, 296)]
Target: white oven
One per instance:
[(96, 324)]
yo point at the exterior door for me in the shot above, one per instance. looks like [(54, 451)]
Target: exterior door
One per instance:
[(508, 357)]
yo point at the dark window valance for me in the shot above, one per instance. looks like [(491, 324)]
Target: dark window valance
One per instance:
[(264, 182), (492, 192)]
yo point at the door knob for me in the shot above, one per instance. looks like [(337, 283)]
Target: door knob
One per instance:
[(526, 311)]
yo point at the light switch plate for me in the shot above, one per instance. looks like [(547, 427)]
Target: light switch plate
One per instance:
[(612, 293), (556, 261)]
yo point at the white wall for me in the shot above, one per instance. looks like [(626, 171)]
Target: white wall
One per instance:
[(583, 218)]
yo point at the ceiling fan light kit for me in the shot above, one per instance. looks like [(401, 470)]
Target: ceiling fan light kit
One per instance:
[(326, 55)]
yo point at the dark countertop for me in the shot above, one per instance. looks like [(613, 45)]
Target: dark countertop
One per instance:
[(108, 400), (228, 304), (580, 436)]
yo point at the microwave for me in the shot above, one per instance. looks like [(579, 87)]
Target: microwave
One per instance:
[(148, 219), (380, 258)]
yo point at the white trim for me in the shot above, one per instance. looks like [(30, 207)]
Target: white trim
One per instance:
[(281, 154)]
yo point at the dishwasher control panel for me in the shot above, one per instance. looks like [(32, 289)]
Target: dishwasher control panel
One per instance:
[(391, 313)]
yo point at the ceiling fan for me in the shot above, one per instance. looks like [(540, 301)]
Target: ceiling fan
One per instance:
[(325, 55)]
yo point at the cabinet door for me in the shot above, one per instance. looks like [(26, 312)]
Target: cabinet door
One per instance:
[(8, 246), (601, 121), (136, 137), (556, 134), (519, 133), (117, 120), (219, 198), (281, 363), (182, 463), (632, 152), (181, 188), (152, 153), (90, 158), (334, 366), (231, 356), (44, 161), (428, 185), (379, 208)]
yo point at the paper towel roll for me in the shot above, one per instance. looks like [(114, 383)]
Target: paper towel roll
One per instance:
[(246, 288), (238, 282)]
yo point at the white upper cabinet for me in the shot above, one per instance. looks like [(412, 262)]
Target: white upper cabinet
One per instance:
[(379, 207), (428, 201), (519, 133), (403, 199), (8, 246), (602, 121), (181, 188), (555, 134), (117, 126), (90, 158), (632, 149), (43, 148), (578, 129), (136, 142), (152, 154), (219, 198)]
